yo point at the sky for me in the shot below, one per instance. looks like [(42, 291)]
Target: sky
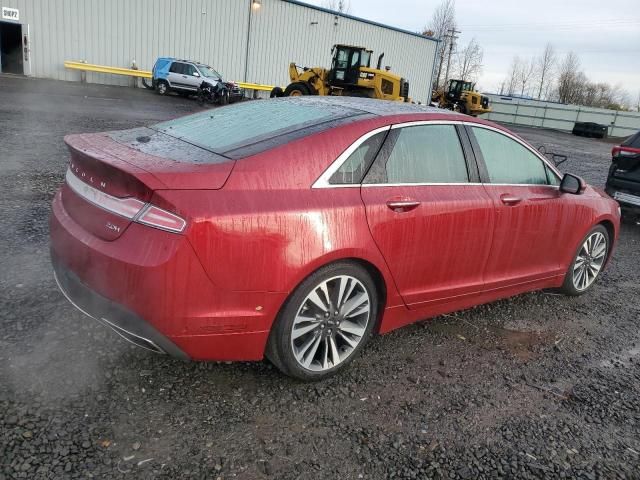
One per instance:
[(604, 34)]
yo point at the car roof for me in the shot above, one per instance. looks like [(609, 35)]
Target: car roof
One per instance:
[(267, 124), (370, 105)]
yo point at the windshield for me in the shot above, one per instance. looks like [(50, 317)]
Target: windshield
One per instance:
[(209, 72)]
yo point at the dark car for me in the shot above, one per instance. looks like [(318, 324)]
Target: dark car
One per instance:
[(590, 129), (623, 182)]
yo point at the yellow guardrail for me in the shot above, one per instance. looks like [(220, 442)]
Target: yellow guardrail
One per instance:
[(90, 67)]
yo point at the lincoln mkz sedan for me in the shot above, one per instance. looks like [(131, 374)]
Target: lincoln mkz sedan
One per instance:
[(296, 228)]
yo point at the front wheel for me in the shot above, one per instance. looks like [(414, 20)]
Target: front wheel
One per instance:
[(224, 98), (325, 323), (588, 262), (296, 89)]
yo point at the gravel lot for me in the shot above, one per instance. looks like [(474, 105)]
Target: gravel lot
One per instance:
[(537, 386)]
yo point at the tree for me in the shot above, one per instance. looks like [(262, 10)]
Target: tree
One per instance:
[(342, 6), (525, 74), (512, 76), (570, 80), (442, 21), (544, 69), (469, 61)]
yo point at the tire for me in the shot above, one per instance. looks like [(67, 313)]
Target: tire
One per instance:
[(324, 343), (162, 88), (276, 92), (296, 89), (224, 98), (592, 257)]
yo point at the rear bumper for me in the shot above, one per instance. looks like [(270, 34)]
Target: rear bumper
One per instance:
[(150, 287), (625, 194), (124, 322)]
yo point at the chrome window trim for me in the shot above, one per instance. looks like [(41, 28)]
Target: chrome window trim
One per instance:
[(323, 180), (368, 185)]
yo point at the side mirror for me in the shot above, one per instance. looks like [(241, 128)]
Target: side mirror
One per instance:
[(572, 184), (196, 74)]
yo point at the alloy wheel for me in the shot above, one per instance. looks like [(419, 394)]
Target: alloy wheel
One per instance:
[(589, 261), (330, 323)]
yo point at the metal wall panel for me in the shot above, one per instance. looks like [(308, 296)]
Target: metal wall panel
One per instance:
[(116, 32), (560, 116)]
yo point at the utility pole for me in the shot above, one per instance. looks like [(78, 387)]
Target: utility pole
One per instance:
[(451, 34)]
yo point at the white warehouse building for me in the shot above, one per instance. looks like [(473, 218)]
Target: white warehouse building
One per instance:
[(247, 40)]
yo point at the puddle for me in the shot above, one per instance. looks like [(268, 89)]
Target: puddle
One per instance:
[(625, 359), (524, 345)]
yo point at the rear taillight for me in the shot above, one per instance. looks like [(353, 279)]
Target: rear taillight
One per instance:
[(622, 151), (159, 218), (129, 207)]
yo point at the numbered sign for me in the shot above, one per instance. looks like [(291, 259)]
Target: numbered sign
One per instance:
[(10, 14)]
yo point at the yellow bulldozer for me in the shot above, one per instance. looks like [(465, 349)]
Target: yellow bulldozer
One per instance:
[(350, 75), (461, 96)]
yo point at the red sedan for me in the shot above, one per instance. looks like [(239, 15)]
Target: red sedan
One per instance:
[(296, 228)]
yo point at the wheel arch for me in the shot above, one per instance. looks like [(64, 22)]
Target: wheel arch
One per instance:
[(380, 280), (611, 230)]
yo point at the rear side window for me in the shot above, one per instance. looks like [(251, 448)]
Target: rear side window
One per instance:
[(427, 154), (508, 161), (222, 130), (633, 141), (353, 169), (177, 67)]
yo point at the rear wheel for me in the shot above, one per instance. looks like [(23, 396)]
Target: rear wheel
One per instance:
[(588, 262), (296, 89), (162, 88), (276, 92), (325, 323)]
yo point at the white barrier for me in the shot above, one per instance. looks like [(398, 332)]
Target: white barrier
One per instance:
[(559, 116)]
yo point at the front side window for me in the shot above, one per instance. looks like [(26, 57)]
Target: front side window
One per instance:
[(354, 167), (366, 59), (189, 69), (508, 161), (427, 154)]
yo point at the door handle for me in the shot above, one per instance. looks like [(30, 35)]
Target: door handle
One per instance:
[(401, 206), (510, 200)]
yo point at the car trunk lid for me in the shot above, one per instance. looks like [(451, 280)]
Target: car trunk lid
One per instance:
[(112, 176)]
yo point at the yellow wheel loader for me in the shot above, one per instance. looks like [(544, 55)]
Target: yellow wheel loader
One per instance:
[(461, 96), (350, 75)]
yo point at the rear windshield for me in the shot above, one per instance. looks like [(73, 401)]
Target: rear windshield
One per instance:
[(222, 130), (633, 141)]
